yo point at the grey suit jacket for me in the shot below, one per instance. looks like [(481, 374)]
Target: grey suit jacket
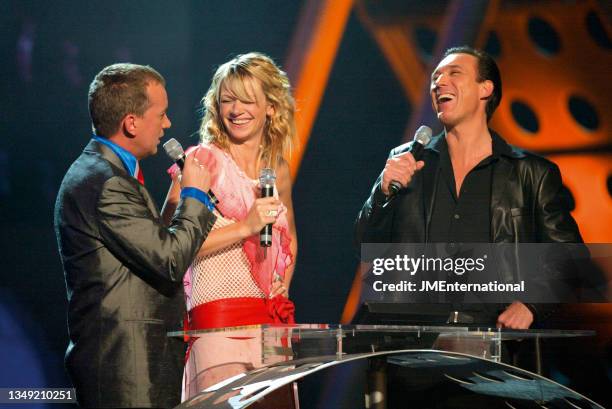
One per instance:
[(123, 270)]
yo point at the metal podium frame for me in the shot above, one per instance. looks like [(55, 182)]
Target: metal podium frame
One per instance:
[(467, 357)]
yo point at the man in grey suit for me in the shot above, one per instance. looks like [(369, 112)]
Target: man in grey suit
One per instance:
[(123, 266)]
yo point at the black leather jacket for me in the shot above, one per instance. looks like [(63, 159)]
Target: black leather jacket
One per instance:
[(527, 204)]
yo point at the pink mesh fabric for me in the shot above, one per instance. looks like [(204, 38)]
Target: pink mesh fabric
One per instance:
[(222, 274)]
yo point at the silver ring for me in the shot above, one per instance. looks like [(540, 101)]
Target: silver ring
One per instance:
[(272, 213)]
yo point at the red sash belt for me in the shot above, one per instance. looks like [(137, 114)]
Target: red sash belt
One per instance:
[(229, 312), (233, 312)]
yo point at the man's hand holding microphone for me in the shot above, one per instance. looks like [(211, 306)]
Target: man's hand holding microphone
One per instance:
[(400, 169), (194, 174)]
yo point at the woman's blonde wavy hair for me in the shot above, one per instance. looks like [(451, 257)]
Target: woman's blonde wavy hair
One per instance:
[(279, 132)]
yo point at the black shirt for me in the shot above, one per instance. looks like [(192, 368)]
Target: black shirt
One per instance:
[(463, 217), (460, 219)]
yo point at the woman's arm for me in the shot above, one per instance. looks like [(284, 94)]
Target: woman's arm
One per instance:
[(171, 202), (256, 219), (225, 236), (284, 192)]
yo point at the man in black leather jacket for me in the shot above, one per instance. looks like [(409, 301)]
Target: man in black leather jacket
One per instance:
[(525, 201)]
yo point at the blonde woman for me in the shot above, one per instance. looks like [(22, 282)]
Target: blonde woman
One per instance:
[(248, 125)]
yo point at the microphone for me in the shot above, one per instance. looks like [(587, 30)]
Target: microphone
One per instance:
[(175, 151), (421, 139), (266, 181)]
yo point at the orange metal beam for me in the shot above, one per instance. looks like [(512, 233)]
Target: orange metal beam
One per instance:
[(354, 297), (318, 61), (393, 41)]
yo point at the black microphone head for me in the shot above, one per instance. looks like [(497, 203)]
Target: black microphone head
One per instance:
[(267, 177), (174, 149), (423, 135)]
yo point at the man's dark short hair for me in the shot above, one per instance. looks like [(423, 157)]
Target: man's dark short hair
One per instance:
[(487, 70), (116, 91)]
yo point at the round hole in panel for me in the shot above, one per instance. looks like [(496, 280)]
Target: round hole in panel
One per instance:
[(609, 183), (597, 31), (493, 46), (425, 39), (524, 116), (544, 36), (583, 112)]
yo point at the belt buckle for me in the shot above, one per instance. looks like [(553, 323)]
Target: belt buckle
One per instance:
[(458, 317)]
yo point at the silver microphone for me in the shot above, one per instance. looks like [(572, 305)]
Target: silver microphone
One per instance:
[(174, 149), (421, 139)]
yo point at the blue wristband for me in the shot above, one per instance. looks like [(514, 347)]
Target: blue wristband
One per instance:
[(196, 193)]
